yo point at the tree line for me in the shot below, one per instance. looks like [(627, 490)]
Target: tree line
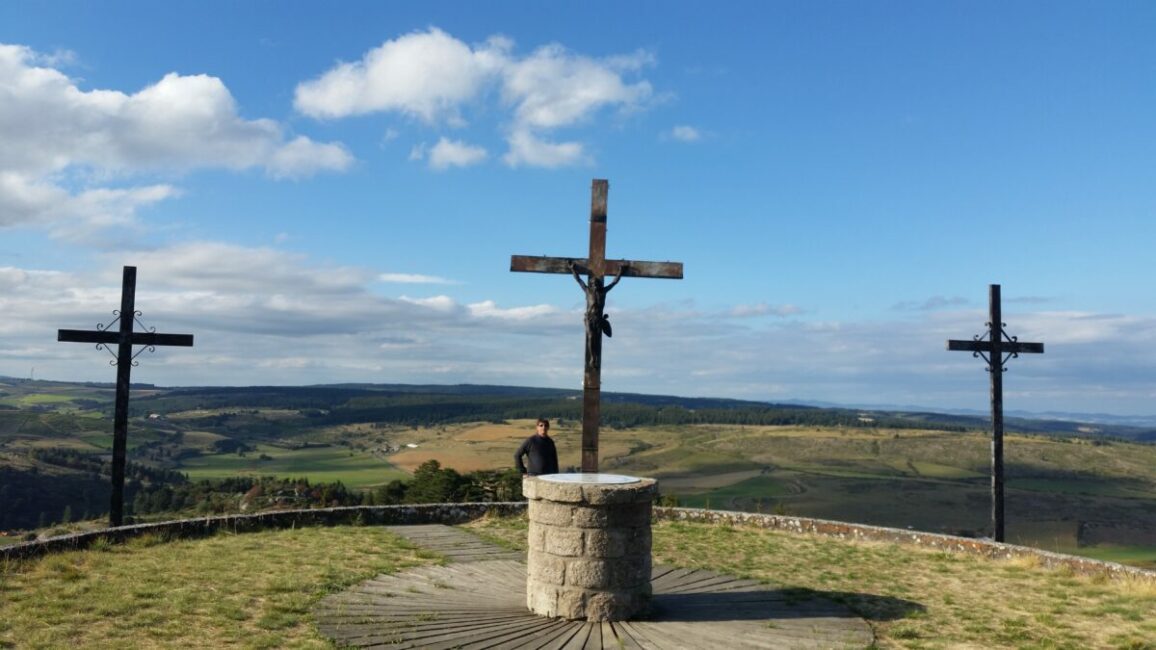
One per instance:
[(431, 483), (38, 499), (330, 406)]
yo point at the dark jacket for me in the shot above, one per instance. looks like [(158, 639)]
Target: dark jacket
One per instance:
[(542, 454)]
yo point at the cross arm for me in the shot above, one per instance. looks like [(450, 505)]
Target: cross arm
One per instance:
[(1016, 347), (152, 338), (136, 338), (625, 268), (88, 336)]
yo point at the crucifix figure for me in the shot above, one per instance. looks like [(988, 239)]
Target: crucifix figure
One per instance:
[(996, 348), (595, 267), (124, 338)]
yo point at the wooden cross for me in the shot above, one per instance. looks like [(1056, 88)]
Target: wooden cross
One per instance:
[(124, 338), (996, 348), (595, 267)]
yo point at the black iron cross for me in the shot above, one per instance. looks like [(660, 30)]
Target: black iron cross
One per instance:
[(996, 348), (595, 267), (124, 338)]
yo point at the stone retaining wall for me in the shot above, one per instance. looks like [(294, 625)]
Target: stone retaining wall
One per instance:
[(455, 513), (949, 543), (436, 513)]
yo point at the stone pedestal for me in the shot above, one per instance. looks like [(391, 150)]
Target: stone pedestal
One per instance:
[(589, 554)]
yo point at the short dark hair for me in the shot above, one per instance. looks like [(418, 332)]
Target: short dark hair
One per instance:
[(545, 422)]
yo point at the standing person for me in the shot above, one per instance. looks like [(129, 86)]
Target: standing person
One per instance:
[(539, 448)]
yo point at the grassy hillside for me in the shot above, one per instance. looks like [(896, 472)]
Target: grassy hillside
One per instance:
[(1094, 496)]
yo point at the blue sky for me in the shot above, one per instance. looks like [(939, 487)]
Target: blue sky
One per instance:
[(331, 192)]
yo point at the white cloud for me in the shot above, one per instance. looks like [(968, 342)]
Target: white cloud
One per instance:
[(427, 75), (454, 153), (181, 122), (302, 157), (62, 143), (433, 77), (553, 87), (527, 149), (263, 316), (26, 200), (234, 270), (763, 309), (489, 309), (933, 303), (1063, 328), (684, 133), (439, 303)]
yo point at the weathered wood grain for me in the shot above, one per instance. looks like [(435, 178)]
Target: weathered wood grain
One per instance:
[(454, 543)]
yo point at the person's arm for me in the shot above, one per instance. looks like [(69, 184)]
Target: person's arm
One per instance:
[(518, 456)]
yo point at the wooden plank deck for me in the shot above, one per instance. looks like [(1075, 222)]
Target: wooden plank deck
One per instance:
[(479, 601), (455, 544)]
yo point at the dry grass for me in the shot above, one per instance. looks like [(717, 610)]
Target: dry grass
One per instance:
[(252, 591), (914, 597), (479, 446), (256, 590), (492, 432)]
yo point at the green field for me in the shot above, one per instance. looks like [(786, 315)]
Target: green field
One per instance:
[(936, 470), (317, 464), (761, 491), (1141, 556), (63, 398), (1091, 487), (1063, 493), (43, 399)]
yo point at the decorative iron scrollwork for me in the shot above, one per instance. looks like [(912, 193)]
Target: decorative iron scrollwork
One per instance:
[(101, 327)]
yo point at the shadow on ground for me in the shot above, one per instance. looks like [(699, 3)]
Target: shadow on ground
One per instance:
[(778, 604)]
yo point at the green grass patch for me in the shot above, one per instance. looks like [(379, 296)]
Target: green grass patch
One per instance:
[(881, 472), (99, 440), (318, 464), (913, 597), (253, 590), (949, 472), (258, 589), (1141, 556), (756, 490), (691, 460), (1083, 486), (43, 399)]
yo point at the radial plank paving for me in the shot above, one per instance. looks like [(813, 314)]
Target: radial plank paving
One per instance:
[(455, 544), (477, 601)]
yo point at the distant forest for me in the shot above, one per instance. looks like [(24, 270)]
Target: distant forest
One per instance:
[(428, 405), (423, 405), (411, 406)]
